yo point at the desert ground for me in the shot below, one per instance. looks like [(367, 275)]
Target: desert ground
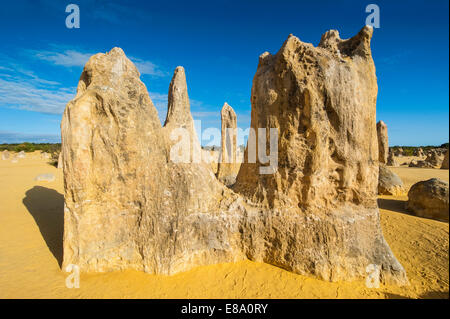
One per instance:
[(31, 219)]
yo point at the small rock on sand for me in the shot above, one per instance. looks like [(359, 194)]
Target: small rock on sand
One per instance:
[(5, 155), (48, 177), (21, 154)]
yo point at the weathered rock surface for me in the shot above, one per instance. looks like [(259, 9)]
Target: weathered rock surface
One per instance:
[(389, 183), (5, 155), (21, 154), (445, 161), (429, 199), (228, 166), (322, 197), (128, 205), (383, 143)]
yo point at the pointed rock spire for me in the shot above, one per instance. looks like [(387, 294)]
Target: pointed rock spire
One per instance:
[(228, 166)]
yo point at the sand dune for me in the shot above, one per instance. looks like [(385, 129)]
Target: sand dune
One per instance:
[(31, 219)]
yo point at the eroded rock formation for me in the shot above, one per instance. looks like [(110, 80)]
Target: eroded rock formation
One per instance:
[(383, 143), (128, 205), (228, 165), (322, 198)]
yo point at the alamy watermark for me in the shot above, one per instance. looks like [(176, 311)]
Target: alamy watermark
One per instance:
[(73, 280), (262, 146), (73, 19), (373, 19)]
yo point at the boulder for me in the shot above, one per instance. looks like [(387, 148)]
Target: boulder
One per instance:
[(429, 199), (445, 161), (21, 154), (228, 166), (389, 183), (383, 143), (128, 204)]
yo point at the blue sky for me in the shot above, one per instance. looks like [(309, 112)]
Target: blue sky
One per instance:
[(218, 43)]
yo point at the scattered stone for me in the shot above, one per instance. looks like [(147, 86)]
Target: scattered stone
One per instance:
[(420, 163), (383, 143), (5, 155), (228, 166), (45, 155), (445, 161), (45, 177), (429, 199), (389, 183)]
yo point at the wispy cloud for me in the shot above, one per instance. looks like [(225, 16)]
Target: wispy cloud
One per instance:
[(75, 58), (21, 88), (147, 67), (18, 94), (67, 58)]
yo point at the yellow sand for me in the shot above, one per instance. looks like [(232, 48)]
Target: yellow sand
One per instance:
[(31, 226)]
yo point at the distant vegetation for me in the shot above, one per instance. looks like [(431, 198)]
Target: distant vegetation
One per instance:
[(409, 150), (31, 147)]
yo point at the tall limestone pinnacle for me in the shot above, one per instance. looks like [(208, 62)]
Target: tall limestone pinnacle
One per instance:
[(179, 114), (127, 205), (383, 143), (322, 100), (228, 159)]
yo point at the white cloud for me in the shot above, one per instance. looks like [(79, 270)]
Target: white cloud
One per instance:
[(147, 67), (73, 58), (68, 58), (29, 96)]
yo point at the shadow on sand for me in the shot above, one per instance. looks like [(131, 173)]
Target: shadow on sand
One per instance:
[(47, 208), (394, 205)]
